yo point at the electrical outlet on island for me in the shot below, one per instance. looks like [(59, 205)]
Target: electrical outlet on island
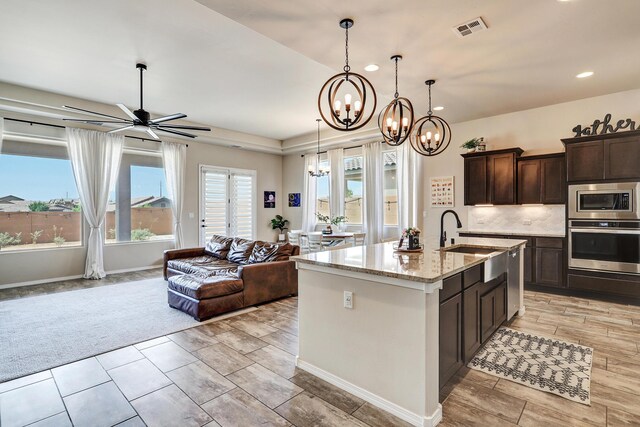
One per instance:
[(526, 221), (348, 299), (480, 220)]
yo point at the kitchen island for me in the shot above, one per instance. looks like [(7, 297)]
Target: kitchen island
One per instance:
[(369, 318)]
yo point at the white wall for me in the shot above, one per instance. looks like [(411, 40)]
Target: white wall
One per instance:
[(293, 182)]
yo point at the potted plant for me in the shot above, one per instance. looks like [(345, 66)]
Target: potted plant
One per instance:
[(326, 220), (412, 234), (281, 224), (474, 144), (340, 222)]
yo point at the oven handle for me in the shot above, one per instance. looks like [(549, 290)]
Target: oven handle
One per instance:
[(605, 230)]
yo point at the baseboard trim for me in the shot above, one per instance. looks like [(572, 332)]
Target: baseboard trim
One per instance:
[(76, 276), (380, 402)]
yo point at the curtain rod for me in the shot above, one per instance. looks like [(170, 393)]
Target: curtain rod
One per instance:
[(345, 148), (31, 122)]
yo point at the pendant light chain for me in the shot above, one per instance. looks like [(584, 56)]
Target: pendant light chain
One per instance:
[(396, 95), (346, 67), (430, 113)]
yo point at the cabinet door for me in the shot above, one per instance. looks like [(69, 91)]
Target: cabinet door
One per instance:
[(450, 338), (528, 265), (550, 267), (622, 158), (585, 161), (553, 180), (500, 311), (502, 188), (529, 182), (475, 180), (487, 315), (471, 321)]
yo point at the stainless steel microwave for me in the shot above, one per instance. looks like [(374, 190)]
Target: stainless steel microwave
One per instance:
[(604, 201)]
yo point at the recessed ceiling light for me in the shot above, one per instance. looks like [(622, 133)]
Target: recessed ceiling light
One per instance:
[(585, 74), (438, 108), (372, 67)]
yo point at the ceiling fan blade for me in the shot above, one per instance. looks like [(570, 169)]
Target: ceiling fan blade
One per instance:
[(169, 117), (128, 112), (92, 112), (153, 134), (97, 122), (186, 127), (176, 132), (121, 129)]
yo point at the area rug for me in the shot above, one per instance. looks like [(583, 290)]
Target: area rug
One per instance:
[(42, 332), (545, 364)]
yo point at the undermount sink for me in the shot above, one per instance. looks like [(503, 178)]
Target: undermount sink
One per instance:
[(469, 249)]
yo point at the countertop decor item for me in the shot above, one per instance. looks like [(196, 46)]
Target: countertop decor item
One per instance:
[(139, 119), (431, 134), (473, 144), (318, 171), (358, 93), (395, 121), (412, 235)]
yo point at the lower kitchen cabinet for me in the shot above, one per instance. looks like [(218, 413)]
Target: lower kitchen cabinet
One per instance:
[(493, 310), (471, 321), (550, 267), (450, 338)]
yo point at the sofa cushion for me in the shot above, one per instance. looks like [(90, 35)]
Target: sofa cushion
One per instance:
[(209, 270), (240, 250), (218, 246), (205, 287), (186, 265), (267, 252)]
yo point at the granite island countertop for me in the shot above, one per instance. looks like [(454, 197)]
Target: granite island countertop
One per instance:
[(512, 233), (429, 266)]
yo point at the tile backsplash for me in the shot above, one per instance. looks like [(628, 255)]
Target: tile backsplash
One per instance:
[(547, 219)]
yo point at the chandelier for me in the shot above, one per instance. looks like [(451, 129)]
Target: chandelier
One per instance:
[(431, 134), (357, 92), (395, 121), (318, 172)]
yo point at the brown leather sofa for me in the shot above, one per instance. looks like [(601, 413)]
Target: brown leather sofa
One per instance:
[(228, 274)]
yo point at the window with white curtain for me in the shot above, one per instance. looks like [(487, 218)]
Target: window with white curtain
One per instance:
[(322, 189), (353, 196), (390, 189), (227, 203)]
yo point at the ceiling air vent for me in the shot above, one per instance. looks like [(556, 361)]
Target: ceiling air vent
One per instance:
[(470, 27)]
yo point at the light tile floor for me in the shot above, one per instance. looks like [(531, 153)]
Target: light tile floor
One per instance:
[(241, 372)]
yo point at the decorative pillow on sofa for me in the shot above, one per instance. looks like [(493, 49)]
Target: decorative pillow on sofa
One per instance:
[(240, 250), (267, 252), (218, 246)]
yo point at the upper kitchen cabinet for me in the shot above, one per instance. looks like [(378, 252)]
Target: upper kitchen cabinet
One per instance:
[(542, 179), (490, 177), (609, 157)]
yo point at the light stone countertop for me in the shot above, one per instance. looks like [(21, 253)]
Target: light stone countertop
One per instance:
[(429, 266), (514, 233)]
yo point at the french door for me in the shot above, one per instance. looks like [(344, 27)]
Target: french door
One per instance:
[(227, 203)]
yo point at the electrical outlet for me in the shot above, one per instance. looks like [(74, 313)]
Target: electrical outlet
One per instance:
[(480, 220), (191, 215), (348, 299), (526, 221)]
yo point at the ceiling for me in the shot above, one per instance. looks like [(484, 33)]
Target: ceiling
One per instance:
[(256, 66)]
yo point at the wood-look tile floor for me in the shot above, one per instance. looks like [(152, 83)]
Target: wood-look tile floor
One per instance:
[(241, 372)]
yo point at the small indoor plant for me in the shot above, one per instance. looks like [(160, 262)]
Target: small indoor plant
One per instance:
[(474, 144), (412, 235), (279, 223), (337, 221)]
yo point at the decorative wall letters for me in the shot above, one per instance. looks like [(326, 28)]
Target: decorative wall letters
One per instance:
[(599, 127)]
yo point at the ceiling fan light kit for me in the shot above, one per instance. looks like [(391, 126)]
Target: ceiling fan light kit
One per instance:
[(347, 100), (140, 119), (395, 121)]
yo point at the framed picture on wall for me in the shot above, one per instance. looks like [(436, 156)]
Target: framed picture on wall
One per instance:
[(442, 192), (294, 200), (269, 199)]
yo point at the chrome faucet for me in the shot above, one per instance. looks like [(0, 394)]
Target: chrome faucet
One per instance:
[(443, 234)]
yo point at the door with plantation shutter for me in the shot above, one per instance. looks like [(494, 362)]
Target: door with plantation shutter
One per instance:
[(227, 203)]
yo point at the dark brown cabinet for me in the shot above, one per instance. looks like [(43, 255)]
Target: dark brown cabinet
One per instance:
[(609, 157), (493, 310), (490, 177), (450, 338), (542, 179), (471, 321)]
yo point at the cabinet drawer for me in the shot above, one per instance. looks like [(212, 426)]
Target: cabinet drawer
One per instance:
[(550, 242), (451, 286), (472, 276)]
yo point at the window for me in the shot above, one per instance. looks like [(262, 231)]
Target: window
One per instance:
[(139, 209), (227, 203), (390, 188), (322, 190), (39, 206), (353, 189)]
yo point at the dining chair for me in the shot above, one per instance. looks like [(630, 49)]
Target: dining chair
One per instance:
[(294, 237), (358, 239), (315, 242)]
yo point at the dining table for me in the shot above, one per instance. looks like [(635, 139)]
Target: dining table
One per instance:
[(335, 238)]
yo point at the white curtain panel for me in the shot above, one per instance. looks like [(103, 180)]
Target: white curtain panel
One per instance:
[(95, 160), (336, 182), (373, 192), (174, 156), (309, 219), (408, 186), (1, 133)]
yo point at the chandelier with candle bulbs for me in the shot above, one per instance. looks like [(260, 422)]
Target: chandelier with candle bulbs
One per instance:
[(431, 134), (395, 121), (318, 172), (347, 100)]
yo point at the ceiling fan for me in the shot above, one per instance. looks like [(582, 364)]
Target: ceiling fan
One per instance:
[(141, 119)]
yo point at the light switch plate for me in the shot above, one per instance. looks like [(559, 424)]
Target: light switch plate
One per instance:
[(191, 215), (348, 299)]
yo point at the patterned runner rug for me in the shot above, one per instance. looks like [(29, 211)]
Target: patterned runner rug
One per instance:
[(545, 364)]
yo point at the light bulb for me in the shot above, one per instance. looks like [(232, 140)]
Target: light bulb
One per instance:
[(394, 126), (389, 121), (423, 138), (405, 122), (336, 107), (437, 137), (429, 136), (358, 106), (347, 100)]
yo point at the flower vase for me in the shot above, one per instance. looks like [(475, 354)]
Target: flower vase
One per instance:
[(414, 242)]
